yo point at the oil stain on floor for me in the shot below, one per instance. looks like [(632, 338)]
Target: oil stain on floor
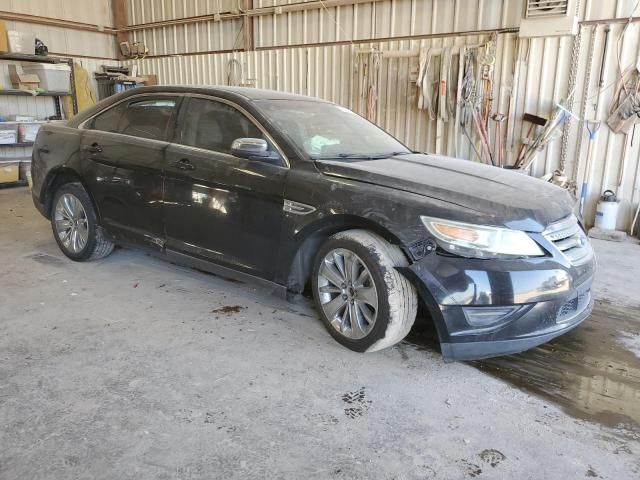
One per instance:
[(592, 372)]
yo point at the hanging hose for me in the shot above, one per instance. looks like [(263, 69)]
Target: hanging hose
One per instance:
[(425, 100), (372, 99), (372, 89), (593, 131), (234, 73)]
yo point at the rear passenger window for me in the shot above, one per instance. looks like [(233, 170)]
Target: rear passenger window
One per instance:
[(215, 125), (145, 118)]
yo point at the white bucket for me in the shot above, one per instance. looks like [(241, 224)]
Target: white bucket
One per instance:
[(607, 211)]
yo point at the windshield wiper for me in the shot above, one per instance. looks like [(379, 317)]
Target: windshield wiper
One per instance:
[(353, 156)]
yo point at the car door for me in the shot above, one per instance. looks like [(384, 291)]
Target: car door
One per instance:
[(217, 206), (134, 142)]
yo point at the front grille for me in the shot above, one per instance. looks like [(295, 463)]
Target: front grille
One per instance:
[(569, 238)]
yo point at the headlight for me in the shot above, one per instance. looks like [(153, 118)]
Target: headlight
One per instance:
[(479, 241)]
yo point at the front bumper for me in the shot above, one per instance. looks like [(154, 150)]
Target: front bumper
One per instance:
[(485, 308)]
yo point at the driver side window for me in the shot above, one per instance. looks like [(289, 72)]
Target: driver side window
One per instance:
[(215, 125)]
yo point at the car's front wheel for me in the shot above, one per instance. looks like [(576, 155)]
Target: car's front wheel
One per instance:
[(364, 302), (75, 225)]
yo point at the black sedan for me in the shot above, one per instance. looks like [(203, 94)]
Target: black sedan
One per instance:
[(298, 193)]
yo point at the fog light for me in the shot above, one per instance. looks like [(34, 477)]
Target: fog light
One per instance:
[(487, 316)]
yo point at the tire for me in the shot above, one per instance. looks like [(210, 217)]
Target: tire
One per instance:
[(374, 266), (72, 211)]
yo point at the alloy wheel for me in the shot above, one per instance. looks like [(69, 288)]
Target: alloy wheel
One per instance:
[(72, 226), (347, 293)]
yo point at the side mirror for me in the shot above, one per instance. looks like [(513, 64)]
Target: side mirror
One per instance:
[(250, 148)]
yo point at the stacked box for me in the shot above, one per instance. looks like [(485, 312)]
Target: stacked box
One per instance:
[(8, 133), (27, 132), (9, 172)]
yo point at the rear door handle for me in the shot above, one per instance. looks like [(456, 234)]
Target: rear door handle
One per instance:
[(184, 164), (93, 148)]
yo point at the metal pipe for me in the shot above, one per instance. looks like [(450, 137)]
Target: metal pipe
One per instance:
[(255, 12), (607, 30), (56, 22), (610, 21), (343, 42)]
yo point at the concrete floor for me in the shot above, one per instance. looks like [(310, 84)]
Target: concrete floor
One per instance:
[(127, 368)]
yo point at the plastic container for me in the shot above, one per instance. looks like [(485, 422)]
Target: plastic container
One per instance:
[(110, 86), (8, 133), (607, 211), (21, 42), (54, 77)]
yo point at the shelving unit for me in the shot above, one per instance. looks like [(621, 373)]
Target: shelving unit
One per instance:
[(27, 93), (57, 97), (19, 144), (20, 57)]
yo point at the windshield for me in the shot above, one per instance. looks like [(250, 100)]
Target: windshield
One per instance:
[(328, 131)]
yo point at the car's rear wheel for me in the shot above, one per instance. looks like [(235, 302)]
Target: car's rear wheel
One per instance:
[(75, 225), (364, 302)]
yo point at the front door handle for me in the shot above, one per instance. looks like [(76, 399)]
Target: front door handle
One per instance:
[(93, 148), (184, 164)]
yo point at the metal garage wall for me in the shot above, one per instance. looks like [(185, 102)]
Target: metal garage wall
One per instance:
[(86, 11), (382, 19), (195, 37), (333, 72), (615, 163), (62, 40)]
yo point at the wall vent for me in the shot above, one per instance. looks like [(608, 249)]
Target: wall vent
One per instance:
[(547, 8), (549, 18)]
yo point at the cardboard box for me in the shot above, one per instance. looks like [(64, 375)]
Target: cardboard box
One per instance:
[(9, 172), (4, 42), (148, 80), (21, 80)]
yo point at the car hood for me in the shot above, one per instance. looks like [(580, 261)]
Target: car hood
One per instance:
[(500, 197)]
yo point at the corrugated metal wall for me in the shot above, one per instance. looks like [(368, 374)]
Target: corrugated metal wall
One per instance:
[(62, 40), (382, 19), (535, 71), (97, 12), (196, 37)]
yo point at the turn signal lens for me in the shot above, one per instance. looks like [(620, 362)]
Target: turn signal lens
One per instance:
[(459, 233), (480, 241)]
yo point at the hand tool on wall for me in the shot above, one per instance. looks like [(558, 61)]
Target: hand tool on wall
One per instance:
[(458, 105), (445, 65), (486, 61), (534, 121), (484, 136), (499, 144), (549, 133)]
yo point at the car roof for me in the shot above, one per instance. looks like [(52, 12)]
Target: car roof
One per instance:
[(238, 94), (247, 93)]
